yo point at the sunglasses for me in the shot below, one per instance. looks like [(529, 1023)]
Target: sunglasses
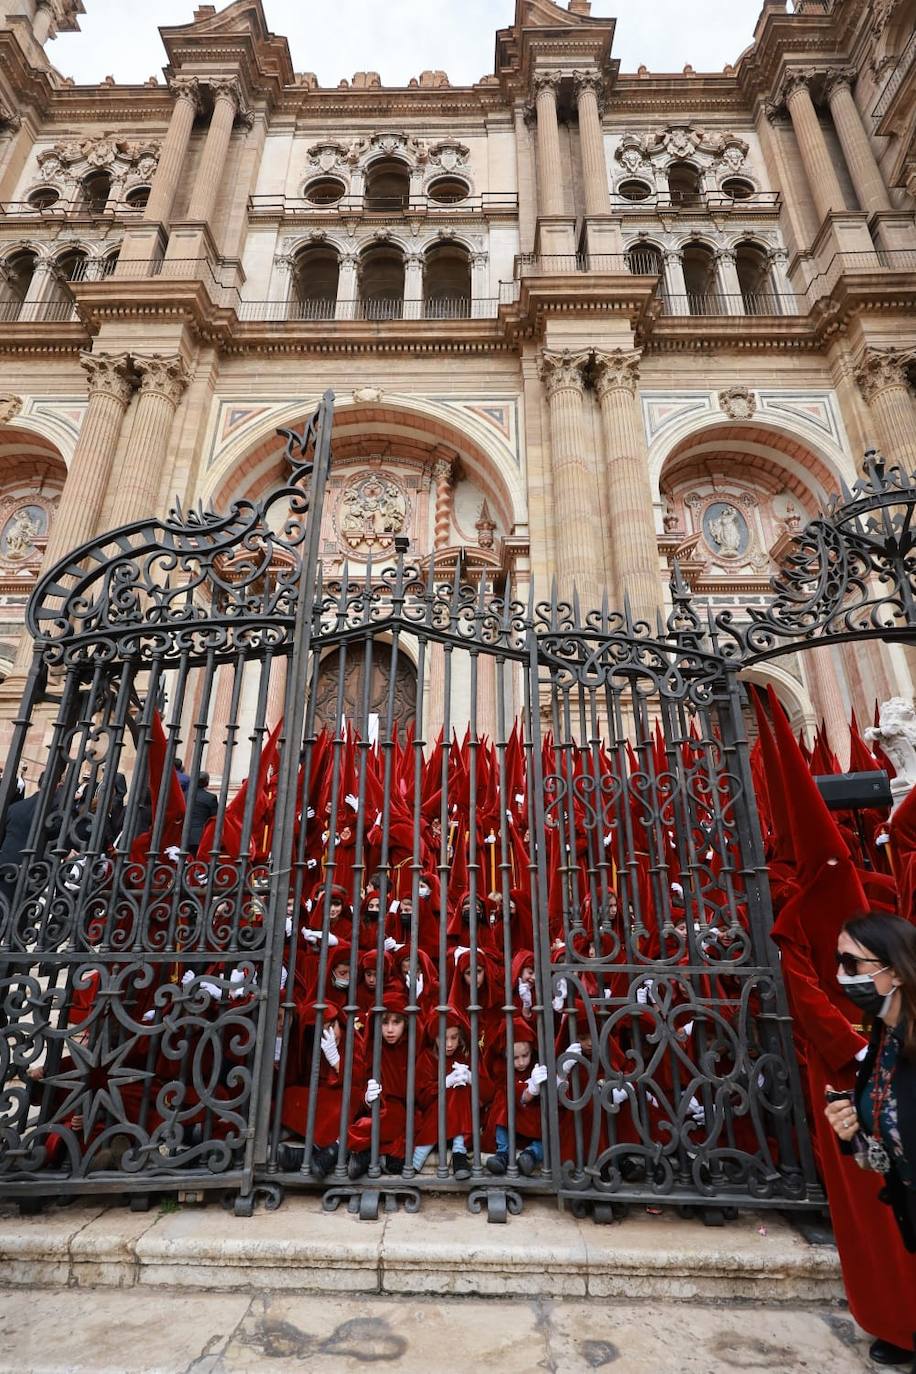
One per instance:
[(849, 963)]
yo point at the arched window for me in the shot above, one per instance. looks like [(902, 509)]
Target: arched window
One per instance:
[(315, 276), (137, 197), (447, 282), (683, 183), (753, 267), (18, 271), (387, 185), (109, 263), (96, 188), (71, 266), (700, 279), (381, 283), (645, 260)]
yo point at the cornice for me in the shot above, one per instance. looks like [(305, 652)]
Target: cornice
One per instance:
[(27, 84)]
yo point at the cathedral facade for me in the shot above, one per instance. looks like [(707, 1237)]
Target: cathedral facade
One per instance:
[(581, 323)]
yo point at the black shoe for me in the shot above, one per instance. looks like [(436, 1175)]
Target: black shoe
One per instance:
[(527, 1163), (290, 1157), (461, 1166), (324, 1160), (394, 1164), (359, 1163), (498, 1163), (883, 1352), (632, 1169)]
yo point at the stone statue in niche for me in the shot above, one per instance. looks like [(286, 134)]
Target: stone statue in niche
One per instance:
[(22, 529), (371, 511), (725, 530)]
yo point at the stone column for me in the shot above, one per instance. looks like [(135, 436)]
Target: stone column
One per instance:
[(550, 168), (442, 476), (781, 286), (822, 179), (186, 90), (413, 286), (11, 123), (481, 305), (111, 383), (347, 290), (162, 382), (589, 92), (882, 379), (675, 285), (43, 25), (634, 543), (727, 283), (39, 290), (226, 100), (863, 167), (575, 484)]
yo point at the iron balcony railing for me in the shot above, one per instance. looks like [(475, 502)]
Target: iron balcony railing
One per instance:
[(69, 209), (489, 203), (720, 303), (547, 264), (56, 310), (378, 311), (758, 202), (896, 78)]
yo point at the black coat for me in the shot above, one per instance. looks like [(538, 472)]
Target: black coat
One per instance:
[(204, 807), (16, 832), (896, 1193)]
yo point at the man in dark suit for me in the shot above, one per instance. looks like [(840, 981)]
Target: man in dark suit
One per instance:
[(203, 807)]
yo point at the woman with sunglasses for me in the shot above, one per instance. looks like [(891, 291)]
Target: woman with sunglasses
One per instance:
[(876, 1123)]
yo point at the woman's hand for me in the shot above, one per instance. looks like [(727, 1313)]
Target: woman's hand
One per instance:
[(842, 1117)]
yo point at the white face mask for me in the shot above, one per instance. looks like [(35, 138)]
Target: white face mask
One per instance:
[(423, 890)]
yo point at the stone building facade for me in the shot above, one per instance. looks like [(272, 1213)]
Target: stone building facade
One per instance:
[(580, 322)]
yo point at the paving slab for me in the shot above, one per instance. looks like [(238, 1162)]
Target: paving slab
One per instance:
[(35, 1250), (172, 1331)]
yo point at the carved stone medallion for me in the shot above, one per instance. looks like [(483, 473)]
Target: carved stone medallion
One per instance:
[(371, 510)]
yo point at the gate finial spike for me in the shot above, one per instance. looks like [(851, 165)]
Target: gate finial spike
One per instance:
[(628, 612), (577, 613), (660, 627)]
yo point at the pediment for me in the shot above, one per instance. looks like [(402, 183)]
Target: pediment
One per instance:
[(240, 17), (545, 14), (234, 37)]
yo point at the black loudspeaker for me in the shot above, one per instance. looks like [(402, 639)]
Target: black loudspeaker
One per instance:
[(855, 791)]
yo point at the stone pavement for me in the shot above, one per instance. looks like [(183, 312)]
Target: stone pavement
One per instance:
[(174, 1331)]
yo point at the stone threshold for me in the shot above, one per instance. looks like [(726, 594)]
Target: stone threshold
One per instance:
[(441, 1249)]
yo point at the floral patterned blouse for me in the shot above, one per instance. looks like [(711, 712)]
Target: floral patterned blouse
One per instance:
[(882, 1075)]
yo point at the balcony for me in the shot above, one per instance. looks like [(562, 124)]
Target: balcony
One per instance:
[(758, 303), (373, 311), (896, 80), (490, 204), (663, 203), (549, 264)]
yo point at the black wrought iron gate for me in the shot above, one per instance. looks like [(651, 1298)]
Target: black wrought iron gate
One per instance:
[(513, 938)]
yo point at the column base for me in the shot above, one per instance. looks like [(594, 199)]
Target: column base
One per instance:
[(555, 237), (602, 237), (894, 229)]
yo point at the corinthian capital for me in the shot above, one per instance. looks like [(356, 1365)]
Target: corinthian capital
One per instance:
[(797, 79), (881, 368), (545, 81), (839, 78), (186, 88), (109, 374), (617, 370), (163, 376), (563, 371), (226, 88), (589, 81)]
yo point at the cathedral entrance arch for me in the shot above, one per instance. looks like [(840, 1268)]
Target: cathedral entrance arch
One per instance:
[(363, 680)]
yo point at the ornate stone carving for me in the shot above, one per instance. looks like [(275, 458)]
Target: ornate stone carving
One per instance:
[(563, 371), (590, 81), (110, 374), (166, 376), (837, 78), (449, 155), (545, 81), (896, 734), (19, 535), (327, 156), (10, 406), (371, 510), (738, 403), (883, 368), (725, 530), (367, 395), (186, 88), (795, 80), (226, 88), (485, 527), (617, 370), (64, 165)]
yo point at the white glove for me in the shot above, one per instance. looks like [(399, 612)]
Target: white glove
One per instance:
[(461, 949), (373, 1091), (188, 977), (237, 980), (214, 989), (567, 1063), (420, 984), (459, 1077), (391, 942), (559, 995), (173, 853), (332, 938), (524, 992), (311, 937), (644, 992), (619, 1096), (697, 1111), (289, 926), (352, 802), (149, 1015), (687, 1029), (538, 1076), (311, 863), (329, 1047)]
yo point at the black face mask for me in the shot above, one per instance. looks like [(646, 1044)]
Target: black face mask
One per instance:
[(863, 994)]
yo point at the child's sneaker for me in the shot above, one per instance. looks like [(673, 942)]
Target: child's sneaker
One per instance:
[(498, 1163), (461, 1167), (527, 1163)]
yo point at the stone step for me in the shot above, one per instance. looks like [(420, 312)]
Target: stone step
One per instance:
[(440, 1249)]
